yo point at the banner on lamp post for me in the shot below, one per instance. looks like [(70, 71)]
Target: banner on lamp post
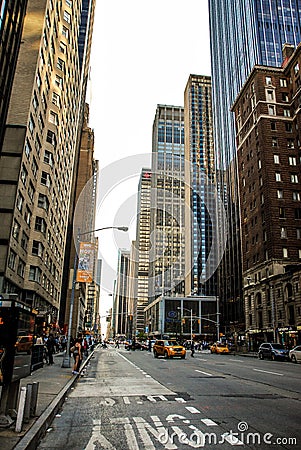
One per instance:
[(85, 262)]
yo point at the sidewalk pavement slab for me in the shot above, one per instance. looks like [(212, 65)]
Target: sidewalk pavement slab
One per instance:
[(54, 384)]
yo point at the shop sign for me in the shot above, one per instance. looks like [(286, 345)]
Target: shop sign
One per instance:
[(286, 329), (254, 331)]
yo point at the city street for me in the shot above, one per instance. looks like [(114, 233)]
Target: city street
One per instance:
[(130, 400)]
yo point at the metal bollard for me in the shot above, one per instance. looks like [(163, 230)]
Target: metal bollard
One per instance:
[(34, 398), (28, 402), (21, 408)]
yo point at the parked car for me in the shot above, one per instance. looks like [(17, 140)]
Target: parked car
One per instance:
[(168, 349), (295, 354), (138, 345), (218, 347), (273, 351)]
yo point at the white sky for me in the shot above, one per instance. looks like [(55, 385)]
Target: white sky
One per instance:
[(142, 55)]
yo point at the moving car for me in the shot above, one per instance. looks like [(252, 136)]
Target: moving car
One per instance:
[(168, 349), (218, 347), (295, 354), (272, 351)]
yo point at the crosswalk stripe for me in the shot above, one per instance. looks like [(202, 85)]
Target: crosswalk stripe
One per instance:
[(192, 410), (209, 422)]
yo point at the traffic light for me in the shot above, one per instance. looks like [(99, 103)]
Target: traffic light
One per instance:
[(199, 321), (183, 320)]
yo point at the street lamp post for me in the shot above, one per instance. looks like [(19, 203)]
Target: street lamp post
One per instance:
[(66, 360)]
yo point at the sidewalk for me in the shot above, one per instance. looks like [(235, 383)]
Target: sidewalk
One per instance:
[(55, 383)]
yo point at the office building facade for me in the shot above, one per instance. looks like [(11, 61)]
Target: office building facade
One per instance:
[(243, 34), (143, 232), (40, 145), (167, 254)]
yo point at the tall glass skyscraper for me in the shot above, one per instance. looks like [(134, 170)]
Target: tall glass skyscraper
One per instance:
[(167, 253), (243, 33)]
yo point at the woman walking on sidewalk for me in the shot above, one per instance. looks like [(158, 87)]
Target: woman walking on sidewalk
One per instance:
[(77, 355)]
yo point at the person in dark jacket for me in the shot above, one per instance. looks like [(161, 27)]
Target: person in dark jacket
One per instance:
[(192, 349), (50, 348)]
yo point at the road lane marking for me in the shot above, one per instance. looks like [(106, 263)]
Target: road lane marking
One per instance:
[(204, 373), (209, 422), (192, 410), (239, 360), (266, 371), (233, 440), (126, 400)]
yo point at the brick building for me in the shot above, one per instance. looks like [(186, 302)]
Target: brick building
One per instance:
[(267, 116)]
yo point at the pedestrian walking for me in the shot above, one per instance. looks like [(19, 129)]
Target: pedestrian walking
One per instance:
[(77, 355), (192, 349), (116, 343), (50, 349)]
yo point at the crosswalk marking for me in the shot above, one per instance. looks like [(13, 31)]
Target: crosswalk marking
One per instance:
[(180, 400), (192, 409), (209, 422)]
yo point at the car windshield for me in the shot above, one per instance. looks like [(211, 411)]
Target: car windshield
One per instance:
[(170, 343), (278, 346), (221, 345)]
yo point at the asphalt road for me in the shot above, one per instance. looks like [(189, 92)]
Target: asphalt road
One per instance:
[(130, 400)]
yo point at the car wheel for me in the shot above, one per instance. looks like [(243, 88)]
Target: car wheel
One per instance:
[(293, 358), (155, 354), (260, 355), (166, 355), (273, 357)]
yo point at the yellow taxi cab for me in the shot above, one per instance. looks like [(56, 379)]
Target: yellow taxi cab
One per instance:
[(218, 347), (168, 348)]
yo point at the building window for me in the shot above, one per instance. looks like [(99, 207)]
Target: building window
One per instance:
[(297, 213), (273, 125), (21, 268), (23, 174), (40, 225), (27, 216), (16, 230), (56, 99), (298, 233), (37, 248), (34, 167), (24, 241), (285, 97), (53, 118), (51, 138), (60, 64), (294, 178), (274, 142), (45, 179), (19, 202), (296, 196), (278, 176), (31, 124), (35, 274), (270, 95), (43, 202), (299, 253), (30, 190), (283, 82), (67, 17), (290, 143), (279, 193), (59, 81), (268, 81), (296, 68), (48, 158), (292, 160), (283, 233), (285, 252), (65, 32), (271, 110), (286, 113), (281, 213), (69, 3), (259, 164), (63, 47), (276, 159), (12, 260)]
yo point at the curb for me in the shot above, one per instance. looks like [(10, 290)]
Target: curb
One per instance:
[(38, 430)]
